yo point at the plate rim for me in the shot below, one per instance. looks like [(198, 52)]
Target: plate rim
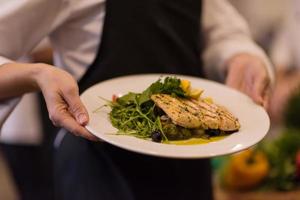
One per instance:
[(159, 75)]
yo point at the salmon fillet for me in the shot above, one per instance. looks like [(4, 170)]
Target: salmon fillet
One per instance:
[(196, 114)]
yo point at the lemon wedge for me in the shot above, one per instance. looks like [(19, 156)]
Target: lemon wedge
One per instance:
[(195, 93), (185, 85)]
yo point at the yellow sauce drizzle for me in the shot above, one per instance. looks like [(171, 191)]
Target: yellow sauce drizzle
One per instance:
[(195, 141)]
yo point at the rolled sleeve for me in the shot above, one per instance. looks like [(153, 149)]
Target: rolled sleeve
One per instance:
[(22, 25), (227, 35)]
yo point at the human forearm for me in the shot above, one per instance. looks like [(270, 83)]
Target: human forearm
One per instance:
[(59, 89), (18, 78), (231, 56)]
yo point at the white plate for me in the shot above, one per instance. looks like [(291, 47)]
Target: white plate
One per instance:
[(253, 118)]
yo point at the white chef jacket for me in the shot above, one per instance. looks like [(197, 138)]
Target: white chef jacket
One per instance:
[(75, 27), (285, 51)]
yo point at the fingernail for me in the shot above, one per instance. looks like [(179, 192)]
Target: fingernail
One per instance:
[(82, 119)]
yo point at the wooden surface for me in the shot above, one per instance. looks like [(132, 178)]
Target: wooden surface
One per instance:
[(221, 194)]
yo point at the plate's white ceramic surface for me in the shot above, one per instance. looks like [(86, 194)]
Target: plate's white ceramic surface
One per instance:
[(253, 118)]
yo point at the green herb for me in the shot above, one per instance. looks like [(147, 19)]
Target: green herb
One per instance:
[(134, 113), (291, 115), (281, 154), (170, 85)]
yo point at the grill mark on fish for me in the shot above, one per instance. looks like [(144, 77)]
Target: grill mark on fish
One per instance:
[(179, 113), (196, 114)]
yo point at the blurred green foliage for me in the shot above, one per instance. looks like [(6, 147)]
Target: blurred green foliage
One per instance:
[(291, 115)]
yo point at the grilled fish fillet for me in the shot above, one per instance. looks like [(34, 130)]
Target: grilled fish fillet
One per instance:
[(196, 114)]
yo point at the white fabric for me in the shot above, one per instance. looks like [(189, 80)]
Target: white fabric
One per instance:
[(74, 28), (6, 107), (227, 34), (23, 125), (285, 52), (263, 17)]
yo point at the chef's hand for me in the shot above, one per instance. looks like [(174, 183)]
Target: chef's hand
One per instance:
[(61, 94), (248, 74)]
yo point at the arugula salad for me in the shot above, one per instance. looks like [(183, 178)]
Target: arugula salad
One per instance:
[(170, 109)]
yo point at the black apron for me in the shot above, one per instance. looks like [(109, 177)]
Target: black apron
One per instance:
[(148, 36), (140, 36)]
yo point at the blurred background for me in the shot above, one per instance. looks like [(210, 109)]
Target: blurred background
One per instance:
[(272, 168)]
